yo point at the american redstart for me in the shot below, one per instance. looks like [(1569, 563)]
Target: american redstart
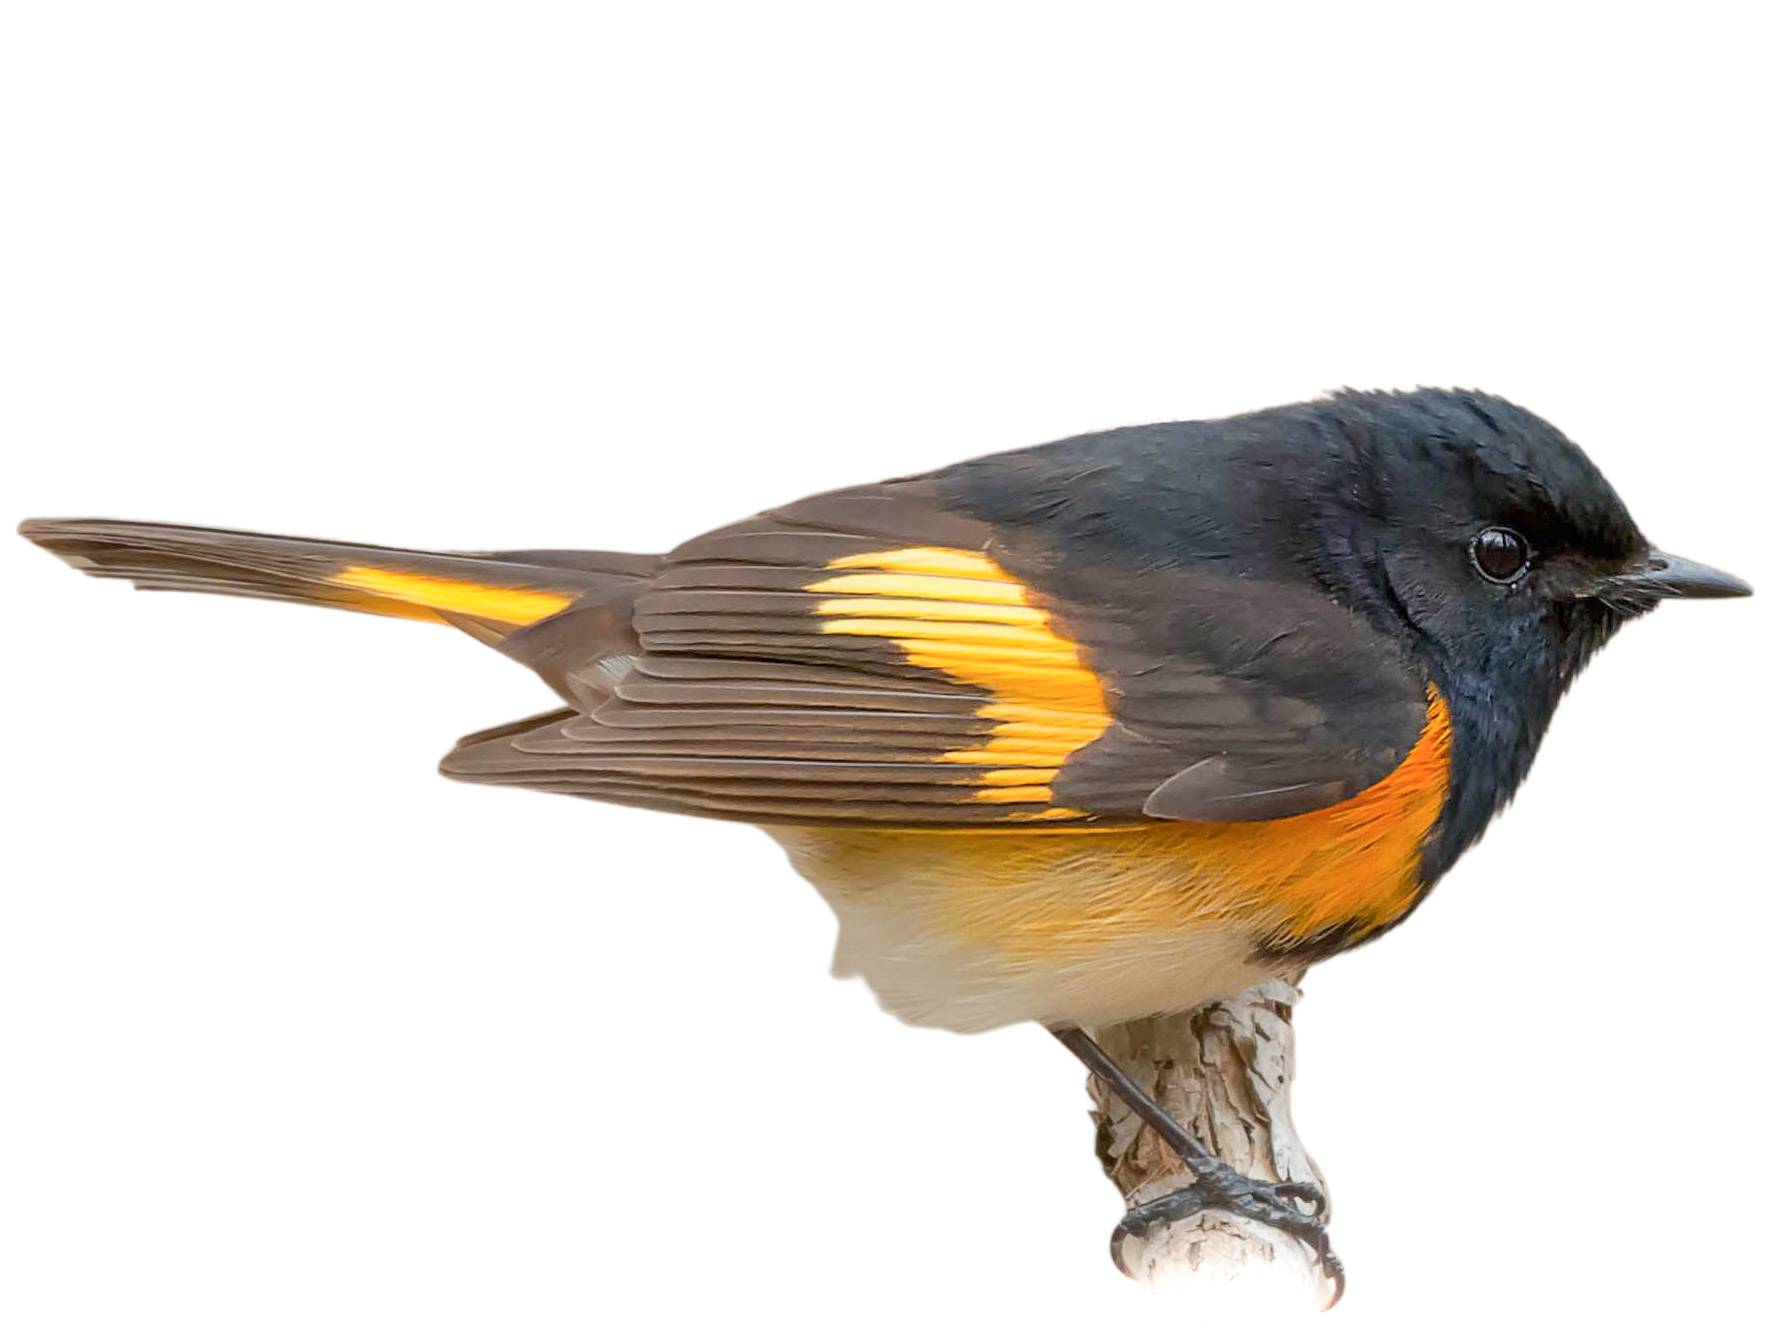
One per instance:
[(1078, 733)]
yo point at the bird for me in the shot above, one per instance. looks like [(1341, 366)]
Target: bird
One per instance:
[(1077, 733)]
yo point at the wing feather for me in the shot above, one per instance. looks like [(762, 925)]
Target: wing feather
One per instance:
[(873, 657)]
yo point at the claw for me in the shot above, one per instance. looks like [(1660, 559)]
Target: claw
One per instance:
[(1307, 1191), (1336, 1272), (1272, 1204)]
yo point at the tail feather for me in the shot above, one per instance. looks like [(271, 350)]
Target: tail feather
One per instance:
[(492, 595)]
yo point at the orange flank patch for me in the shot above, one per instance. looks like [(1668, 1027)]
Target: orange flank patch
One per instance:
[(961, 614), (1353, 862), (1062, 889), (1066, 893), (415, 595)]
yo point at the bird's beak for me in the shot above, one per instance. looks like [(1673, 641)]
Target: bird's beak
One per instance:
[(1662, 576)]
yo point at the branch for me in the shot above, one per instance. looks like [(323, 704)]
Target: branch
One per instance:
[(1224, 1072)]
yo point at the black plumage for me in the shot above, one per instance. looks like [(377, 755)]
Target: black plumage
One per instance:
[(1268, 604)]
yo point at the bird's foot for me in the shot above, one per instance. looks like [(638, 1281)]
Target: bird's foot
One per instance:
[(1297, 1208)]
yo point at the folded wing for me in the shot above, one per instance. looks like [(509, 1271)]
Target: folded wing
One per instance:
[(875, 657)]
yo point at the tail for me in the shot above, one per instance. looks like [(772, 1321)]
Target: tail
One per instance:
[(493, 597)]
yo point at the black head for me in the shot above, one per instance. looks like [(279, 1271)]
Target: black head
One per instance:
[(1500, 554), (1473, 534)]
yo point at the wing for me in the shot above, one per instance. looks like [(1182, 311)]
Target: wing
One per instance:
[(881, 656)]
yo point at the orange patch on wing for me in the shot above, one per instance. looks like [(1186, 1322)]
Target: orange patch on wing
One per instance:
[(931, 560), (960, 613), (415, 595), (1033, 792), (920, 588)]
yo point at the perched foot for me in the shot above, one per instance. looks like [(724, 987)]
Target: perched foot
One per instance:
[(1298, 1209)]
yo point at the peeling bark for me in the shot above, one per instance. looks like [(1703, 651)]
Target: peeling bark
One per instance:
[(1224, 1071)]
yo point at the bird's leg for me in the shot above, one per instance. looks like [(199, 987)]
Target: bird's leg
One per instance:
[(1298, 1209)]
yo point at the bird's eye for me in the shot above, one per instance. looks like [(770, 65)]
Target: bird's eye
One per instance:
[(1501, 555)]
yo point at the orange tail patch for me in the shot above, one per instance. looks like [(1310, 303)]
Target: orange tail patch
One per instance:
[(418, 595)]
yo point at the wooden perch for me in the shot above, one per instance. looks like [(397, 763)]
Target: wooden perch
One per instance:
[(1224, 1071)]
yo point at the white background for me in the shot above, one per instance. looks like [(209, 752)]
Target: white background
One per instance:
[(296, 1033)]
